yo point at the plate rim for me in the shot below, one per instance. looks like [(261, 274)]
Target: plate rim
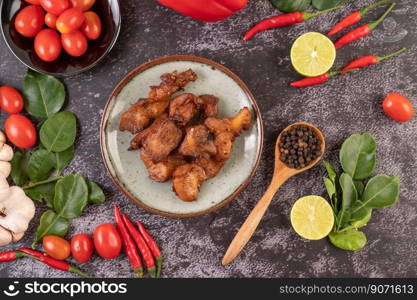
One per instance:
[(143, 67)]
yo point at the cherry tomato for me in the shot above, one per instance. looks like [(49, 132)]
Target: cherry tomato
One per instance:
[(55, 7), (82, 247), (70, 20), (92, 25), (29, 21), (83, 4), (48, 45), (56, 247), (11, 100), (398, 107), (20, 131), (36, 2), (74, 43), (50, 20), (107, 241)]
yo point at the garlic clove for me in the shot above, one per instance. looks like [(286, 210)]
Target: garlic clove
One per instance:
[(5, 168), (2, 137), (5, 237), (6, 153), (17, 236)]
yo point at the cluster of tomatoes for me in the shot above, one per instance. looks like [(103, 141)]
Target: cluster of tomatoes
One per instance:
[(20, 130), (106, 241), (70, 18)]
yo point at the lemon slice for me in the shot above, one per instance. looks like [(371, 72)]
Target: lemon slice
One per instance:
[(312, 217), (313, 54)]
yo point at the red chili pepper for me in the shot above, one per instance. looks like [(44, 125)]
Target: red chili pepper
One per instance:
[(52, 262), (130, 247), (283, 20), (310, 81), (143, 247), (369, 60), (206, 10), (9, 256), (354, 18), (361, 31), (153, 246)]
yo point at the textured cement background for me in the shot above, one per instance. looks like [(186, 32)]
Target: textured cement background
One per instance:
[(346, 105)]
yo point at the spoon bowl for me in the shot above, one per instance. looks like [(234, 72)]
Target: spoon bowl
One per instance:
[(282, 173)]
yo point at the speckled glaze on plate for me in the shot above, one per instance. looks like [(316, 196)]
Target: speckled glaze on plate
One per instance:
[(129, 173)]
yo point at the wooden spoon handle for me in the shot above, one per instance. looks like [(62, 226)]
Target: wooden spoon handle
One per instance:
[(249, 226)]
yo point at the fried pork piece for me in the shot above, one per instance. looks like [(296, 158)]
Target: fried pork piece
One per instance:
[(137, 141), (208, 104), (210, 166), (197, 143), (144, 111), (183, 108), (186, 181), (162, 140), (161, 171), (225, 131)]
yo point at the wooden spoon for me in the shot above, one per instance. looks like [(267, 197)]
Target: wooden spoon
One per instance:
[(281, 174)]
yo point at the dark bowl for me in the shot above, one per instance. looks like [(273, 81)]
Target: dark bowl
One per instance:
[(65, 65)]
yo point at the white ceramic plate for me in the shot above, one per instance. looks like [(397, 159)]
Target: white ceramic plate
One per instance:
[(128, 171)]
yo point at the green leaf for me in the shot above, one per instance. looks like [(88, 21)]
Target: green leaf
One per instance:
[(352, 240), (330, 170), (330, 187), (361, 220), (63, 159), (326, 4), (350, 195), (50, 224), (44, 95), (58, 132), (95, 193), (44, 192), (358, 155), (19, 163), (381, 191), (40, 165), (359, 187), (342, 218), (291, 5), (71, 194)]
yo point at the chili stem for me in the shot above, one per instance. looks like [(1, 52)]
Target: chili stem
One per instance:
[(382, 58), (35, 184), (308, 16), (372, 6), (373, 25)]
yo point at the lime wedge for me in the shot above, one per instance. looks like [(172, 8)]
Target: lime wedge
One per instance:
[(312, 217), (313, 54)]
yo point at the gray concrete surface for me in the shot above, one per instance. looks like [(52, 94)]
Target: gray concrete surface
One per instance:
[(346, 105)]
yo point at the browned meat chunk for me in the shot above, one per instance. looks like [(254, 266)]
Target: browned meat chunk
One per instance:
[(186, 181), (161, 171), (226, 130), (162, 140), (137, 141), (183, 108), (208, 104), (210, 166), (139, 116), (197, 143)]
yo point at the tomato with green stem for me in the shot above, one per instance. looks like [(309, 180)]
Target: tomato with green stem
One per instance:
[(48, 45), (29, 21), (398, 107), (11, 101), (20, 131)]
